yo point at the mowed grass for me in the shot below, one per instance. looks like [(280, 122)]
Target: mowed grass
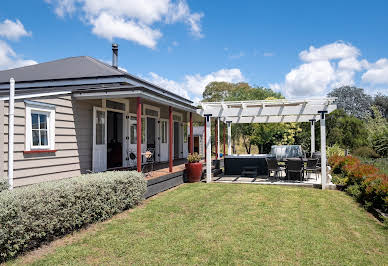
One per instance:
[(233, 224)]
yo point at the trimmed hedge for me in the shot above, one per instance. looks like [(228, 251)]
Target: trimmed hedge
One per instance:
[(3, 184), (36, 214), (364, 182)]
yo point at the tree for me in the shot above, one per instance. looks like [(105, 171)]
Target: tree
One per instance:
[(346, 130), (381, 102), (377, 128), (224, 91), (353, 100)]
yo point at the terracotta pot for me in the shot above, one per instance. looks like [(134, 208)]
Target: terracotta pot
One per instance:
[(194, 172)]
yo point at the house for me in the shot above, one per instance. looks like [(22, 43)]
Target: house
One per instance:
[(77, 115)]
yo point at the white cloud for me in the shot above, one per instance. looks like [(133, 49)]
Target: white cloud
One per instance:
[(170, 85), (131, 20), (336, 50), (197, 83), (194, 85), (110, 27), (323, 68), (13, 30), (9, 59), (377, 72)]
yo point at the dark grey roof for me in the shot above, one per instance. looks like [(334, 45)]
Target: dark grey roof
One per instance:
[(198, 131), (71, 68), (67, 68)]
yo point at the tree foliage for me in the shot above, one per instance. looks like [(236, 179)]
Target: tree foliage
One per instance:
[(354, 101), (261, 135), (381, 102), (346, 130)]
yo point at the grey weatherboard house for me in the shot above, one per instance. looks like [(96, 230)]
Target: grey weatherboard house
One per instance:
[(78, 114)]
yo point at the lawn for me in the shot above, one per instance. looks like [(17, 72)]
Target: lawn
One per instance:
[(232, 224)]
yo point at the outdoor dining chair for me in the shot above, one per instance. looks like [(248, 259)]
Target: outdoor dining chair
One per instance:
[(273, 166), (317, 155), (295, 166), (312, 167)]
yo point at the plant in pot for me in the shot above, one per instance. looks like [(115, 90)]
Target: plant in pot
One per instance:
[(194, 167)]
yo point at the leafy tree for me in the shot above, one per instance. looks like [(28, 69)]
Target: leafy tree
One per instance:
[(353, 100), (377, 128), (381, 102), (224, 91), (346, 130)]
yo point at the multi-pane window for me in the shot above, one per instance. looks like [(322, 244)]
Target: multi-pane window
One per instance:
[(177, 117), (133, 131), (115, 105), (100, 127), (39, 129), (151, 112), (185, 133), (164, 131), (40, 126)]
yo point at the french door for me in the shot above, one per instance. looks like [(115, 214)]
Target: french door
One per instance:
[(99, 139)]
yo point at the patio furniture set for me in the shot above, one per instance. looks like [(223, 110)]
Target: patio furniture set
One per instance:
[(294, 168)]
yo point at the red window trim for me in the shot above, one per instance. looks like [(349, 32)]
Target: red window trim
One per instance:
[(39, 151)]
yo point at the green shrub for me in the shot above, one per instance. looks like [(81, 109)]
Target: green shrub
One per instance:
[(335, 150), (365, 152), (36, 214), (3, 184)]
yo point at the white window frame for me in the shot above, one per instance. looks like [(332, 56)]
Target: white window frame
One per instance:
[(177, 114), (40, 108), (154, 108)]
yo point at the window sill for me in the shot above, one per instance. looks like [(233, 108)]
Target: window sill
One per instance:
[(39, 151)]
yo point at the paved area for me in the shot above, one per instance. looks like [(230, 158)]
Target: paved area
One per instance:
[(310, 180)]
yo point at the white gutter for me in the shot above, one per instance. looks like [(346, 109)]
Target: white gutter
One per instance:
[(91, 81), (35, 95), (11, 113)]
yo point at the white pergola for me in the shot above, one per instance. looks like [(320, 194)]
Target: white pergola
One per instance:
[(268, 111)]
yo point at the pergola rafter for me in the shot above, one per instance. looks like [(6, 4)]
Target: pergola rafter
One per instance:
[(268, 111)]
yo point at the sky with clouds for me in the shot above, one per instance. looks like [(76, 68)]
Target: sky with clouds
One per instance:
[(300, 48)]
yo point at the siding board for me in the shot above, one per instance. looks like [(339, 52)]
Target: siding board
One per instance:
[(1, 138), (73, 142)]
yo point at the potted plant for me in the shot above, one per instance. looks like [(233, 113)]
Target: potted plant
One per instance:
[(194, 168)]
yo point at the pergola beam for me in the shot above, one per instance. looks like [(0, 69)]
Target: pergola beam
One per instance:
[(267, 110), (271, 119)]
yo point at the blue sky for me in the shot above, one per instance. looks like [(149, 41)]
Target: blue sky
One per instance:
[(301, 48)]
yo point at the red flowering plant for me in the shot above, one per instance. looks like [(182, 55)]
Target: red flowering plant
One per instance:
[(365, 182)]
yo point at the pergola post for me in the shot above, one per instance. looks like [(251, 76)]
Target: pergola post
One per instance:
[(223, 154), (208, 149), (229, 123), (312, 121), (218, 138), (323, 149), (170, 139), (191, 142), (204, 141), (138, 133)]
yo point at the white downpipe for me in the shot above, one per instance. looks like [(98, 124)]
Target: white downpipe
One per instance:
[(218, 138), (312, 137), (208, 151), (229, 138), (323, 152), (11, 114)]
